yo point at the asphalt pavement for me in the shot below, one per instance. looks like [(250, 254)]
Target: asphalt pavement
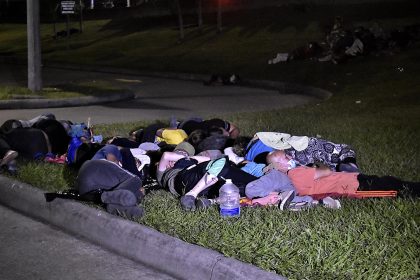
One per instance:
[(155, 97), (34, 250)]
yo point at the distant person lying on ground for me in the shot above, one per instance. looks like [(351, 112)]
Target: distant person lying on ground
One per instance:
[(223, 80), (322, 182), (229, 129), (214, 139), (54, 130), (171, 136), (37, 138), (161, 134), (343, 43)]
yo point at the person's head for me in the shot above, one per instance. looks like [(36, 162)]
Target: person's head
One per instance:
[(240, 144), (214, 142), (136, 135), (215, 130), (196, 137), (185, 148), (279, 160), (233, 131)]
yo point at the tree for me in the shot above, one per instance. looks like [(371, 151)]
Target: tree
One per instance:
[(180, 20), (199, 14), (219, 16)]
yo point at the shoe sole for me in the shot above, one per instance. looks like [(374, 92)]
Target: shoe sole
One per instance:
[(285, 202), (129, 211), (120, 197), (331, 203), (202, 204), (188, 207), (299, 206), (9, 157)]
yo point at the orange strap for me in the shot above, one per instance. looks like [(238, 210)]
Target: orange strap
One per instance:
[(366, 194)]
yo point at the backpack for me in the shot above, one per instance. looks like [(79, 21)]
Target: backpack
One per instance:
[(79, 152), (80, 130)]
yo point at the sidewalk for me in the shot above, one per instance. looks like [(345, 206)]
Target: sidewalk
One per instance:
[(31, 249)]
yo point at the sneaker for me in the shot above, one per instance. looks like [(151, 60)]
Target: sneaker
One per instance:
[(129, 211), (8, 157), (203, 203), (299, 206), (285, 199), (121, 197), (330, 202), (348, 167), (12, 168), (325, 58), (188, 202)]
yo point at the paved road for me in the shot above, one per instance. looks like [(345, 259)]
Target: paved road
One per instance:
[(156, 98), (33, 250)]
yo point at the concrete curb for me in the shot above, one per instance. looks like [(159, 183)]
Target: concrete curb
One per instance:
[(129, 239), (65, 102)]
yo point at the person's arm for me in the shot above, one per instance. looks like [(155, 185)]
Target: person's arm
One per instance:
[(278, 166), (322, 172), (113, 158), (206, 181), (200, 159), (167, 158), (159, 132)]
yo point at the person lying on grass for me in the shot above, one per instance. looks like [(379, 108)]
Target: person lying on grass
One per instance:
[(302, 150), (119, 189), (229, 129), (322, 182), (132, 160), (40, 137), (193, 177)]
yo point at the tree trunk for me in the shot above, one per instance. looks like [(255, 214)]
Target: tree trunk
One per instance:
[(180, 20), (81, 6), (199, 14), (219, 16)]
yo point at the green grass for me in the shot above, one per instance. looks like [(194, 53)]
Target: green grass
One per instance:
[(375, 108), (74, 90), (15, 92)]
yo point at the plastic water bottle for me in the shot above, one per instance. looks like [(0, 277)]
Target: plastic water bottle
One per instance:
[(229, 200)]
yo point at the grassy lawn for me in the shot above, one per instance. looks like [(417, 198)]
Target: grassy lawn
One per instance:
[(375, 108), (74, 90), (97, 88)]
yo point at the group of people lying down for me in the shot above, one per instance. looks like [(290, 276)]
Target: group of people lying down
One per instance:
[(192, 159)]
